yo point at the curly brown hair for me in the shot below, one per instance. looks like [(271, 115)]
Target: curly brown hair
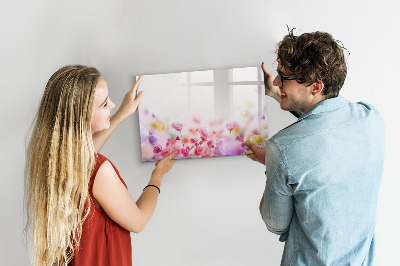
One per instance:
[(314, 57)]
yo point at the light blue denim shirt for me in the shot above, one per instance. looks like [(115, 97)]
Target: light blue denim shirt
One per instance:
[(323, 176)]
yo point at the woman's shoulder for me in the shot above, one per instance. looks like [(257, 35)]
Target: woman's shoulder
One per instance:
[(105, 167), (99, 161), (100, 158), (102, 164)]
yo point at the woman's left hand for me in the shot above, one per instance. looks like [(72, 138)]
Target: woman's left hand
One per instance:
[(131, 101)]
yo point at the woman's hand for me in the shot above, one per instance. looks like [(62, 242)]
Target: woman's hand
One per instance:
[(131, 101), (164, 165), (270, 89)]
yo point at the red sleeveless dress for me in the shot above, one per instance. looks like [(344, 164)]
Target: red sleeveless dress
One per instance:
[(103, 241)]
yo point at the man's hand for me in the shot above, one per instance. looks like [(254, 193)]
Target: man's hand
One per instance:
[(259, 153), (270, 89)]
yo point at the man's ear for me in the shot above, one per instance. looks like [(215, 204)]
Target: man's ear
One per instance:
[(317, 88)]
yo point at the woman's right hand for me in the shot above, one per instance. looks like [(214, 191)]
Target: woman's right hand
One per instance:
[(270, 89), (164, 165)]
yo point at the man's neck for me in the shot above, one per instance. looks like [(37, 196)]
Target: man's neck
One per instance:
[(316, 100)]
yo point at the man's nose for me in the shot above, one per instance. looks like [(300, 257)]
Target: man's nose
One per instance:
[(277, 81)]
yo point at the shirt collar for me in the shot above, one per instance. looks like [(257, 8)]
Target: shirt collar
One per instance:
[(325, 106)]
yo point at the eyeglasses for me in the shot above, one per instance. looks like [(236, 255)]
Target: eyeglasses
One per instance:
[(282, 78)]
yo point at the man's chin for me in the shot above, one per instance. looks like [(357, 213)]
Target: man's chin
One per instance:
[(285, 108)]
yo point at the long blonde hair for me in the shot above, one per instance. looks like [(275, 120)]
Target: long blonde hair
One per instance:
[(59, 162)]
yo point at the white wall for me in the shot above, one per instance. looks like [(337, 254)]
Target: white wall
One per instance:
[(208, 208)]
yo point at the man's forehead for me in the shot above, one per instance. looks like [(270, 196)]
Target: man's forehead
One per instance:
[(279, 66), (282, 69)]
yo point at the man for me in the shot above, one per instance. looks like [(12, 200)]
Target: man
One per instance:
[(323, 171)]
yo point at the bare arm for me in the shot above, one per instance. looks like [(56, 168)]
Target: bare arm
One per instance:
[(116, 201), (128, 107)]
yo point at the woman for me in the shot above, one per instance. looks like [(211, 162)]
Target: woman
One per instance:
[(78, 207)]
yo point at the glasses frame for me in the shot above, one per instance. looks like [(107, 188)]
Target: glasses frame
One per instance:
[(282, 78)]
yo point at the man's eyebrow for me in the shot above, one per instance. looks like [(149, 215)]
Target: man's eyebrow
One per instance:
[(279, 72), (283, 74)]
